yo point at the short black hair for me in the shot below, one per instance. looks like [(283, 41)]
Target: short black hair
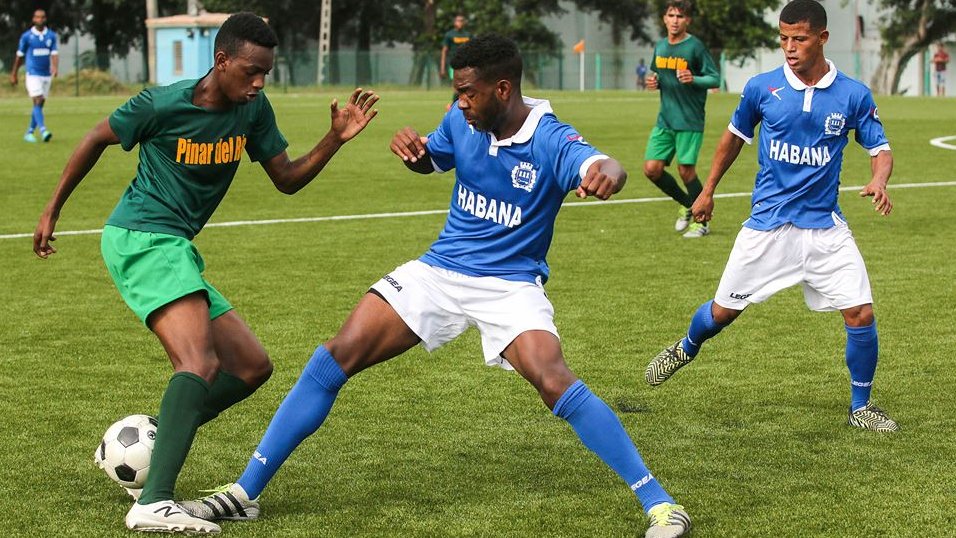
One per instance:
[(244, 27), (493, 57), (809, 11), (684, 6)]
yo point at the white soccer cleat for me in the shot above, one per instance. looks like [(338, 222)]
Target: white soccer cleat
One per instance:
[(167, 516), (229, 502), (684, 218), (871, 417), (668, 521), (697, 229)]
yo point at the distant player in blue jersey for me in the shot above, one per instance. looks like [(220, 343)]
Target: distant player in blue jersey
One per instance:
[(38, 48), (514, 164), (796, 233)]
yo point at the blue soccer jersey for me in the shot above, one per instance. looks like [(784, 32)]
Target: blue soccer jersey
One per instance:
[(803, 130), (36, 48), (507, 193)]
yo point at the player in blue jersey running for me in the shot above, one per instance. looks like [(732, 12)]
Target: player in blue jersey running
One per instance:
[(38, 48), (796, 233), (514, 164)]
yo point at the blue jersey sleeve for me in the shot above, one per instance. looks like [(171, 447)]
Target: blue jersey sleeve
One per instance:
[(53, 42), (569, 153), (441, 145), (747, 115), (869, 129), (24, 44)]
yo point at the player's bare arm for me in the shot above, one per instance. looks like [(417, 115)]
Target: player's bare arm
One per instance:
[(81, 162), (17, 61), (881, 166), (409, 146), (290, 176), (603, 179), (727, 151)]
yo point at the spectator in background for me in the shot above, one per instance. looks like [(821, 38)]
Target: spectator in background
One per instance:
[(940, 59), (454, 38), (641, 75)]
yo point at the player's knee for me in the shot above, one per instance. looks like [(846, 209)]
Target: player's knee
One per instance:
[(653, 171), (348, 350), (260, 372), (553, 384), (687, 173), (859, 316), (205, 366)]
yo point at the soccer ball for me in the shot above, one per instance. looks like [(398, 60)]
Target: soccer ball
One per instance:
[(126, 448)]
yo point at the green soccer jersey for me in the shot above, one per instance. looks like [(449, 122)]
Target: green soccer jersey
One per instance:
[(188, 156), (682, 105), (454, 39)]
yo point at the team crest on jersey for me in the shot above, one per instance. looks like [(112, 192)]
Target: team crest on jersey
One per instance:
[(834, 124), (523, 176)]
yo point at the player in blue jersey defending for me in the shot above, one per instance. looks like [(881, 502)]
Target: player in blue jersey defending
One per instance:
[(514, 164), (38, 48), (796, 233)]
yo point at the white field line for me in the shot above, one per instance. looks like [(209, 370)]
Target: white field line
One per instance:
[(941, 142), (369, 216)]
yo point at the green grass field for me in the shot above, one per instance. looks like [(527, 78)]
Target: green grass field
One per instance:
[(751, 437)]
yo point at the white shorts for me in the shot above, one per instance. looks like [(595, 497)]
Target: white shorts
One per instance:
[(826, 261), (438, 305), (38, 86)]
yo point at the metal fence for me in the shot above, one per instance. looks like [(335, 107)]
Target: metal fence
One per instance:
[(597, 70)]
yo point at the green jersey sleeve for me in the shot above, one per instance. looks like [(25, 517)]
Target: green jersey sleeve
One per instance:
[(134, 121), (709, 76), (265, 139)]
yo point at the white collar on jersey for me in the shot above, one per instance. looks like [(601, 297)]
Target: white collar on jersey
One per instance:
[(539, 107), (824, 82), (36, 32)]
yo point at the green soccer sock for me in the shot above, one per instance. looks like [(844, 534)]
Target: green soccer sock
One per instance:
[(226, 391), (669, 185), (180, 410), (693, 189)]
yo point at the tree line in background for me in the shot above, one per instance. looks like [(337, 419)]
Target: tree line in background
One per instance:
[(734, 28)]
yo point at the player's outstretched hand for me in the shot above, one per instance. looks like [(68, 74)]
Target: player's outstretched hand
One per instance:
[(603, 178), (349, 121), (13, 78), (43, 236), (703, 208), (881, 200), (408, 145)]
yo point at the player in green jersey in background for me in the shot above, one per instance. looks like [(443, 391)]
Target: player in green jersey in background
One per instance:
[(683, 70), (191, 137)]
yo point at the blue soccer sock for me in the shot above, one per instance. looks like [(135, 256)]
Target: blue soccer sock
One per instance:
[(862, 350), (301, 413), (601, 431), (37, 120), (33, 120), (703, 327)]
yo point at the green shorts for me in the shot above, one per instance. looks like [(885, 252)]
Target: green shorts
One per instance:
[(665, 143), (152, 269)]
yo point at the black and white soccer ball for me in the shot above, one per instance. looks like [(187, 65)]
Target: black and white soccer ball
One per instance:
[(126, 448)]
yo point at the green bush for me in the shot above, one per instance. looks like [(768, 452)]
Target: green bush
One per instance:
[(91, 82)]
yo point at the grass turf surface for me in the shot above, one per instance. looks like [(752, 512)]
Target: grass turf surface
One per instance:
[(751, 437)]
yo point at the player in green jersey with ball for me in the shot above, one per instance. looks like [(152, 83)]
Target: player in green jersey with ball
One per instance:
[(191, 136)]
